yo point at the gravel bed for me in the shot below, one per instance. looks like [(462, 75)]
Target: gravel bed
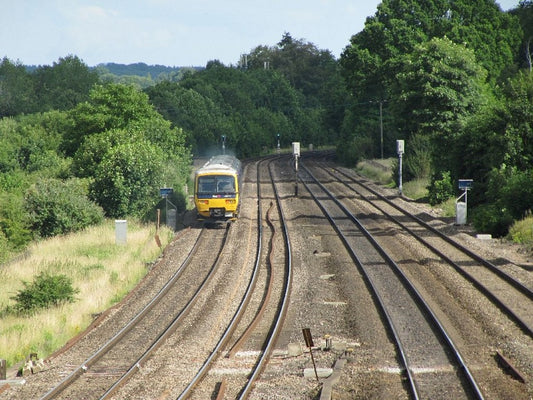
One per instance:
[(330, 297)]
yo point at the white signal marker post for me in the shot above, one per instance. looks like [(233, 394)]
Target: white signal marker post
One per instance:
[(400, 145), (296, 154), (461, 206)]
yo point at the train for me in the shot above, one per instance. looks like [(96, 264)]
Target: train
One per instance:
[(217, 188)]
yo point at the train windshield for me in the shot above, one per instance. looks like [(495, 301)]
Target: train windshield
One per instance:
[(220, 184)]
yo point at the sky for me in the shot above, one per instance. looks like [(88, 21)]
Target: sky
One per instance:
[(174, 33)]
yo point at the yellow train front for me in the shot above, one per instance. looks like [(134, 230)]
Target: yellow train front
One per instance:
[(216, 188)]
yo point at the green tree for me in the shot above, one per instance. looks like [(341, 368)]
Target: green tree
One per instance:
[(112, 106), (524, 12), (58, 207), (374, 56), (64, 84), (128, 178), (196, 114), (518, 93), (17, 93), (439, 87), (312, 72)]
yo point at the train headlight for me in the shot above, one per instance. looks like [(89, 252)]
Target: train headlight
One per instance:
[(206, 202), (230, 201)]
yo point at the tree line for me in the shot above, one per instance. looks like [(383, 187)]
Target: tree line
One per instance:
[(454, 81), (451, 78)]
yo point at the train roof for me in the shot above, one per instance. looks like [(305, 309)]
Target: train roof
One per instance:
[(221, 163)]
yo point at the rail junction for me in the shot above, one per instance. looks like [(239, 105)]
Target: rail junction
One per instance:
[(392, 292)]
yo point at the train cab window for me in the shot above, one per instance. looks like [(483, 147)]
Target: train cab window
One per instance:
[(216, 184), (225, 185), (206, 184)]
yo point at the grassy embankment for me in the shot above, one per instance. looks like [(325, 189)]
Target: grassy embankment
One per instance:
[(102, 271)]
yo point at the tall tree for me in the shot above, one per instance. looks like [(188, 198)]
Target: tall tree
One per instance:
[(374, 56), (17, 94), (439, 87), (109, 106), (64, 84), (524, 12)]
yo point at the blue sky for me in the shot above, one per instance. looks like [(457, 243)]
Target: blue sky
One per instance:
[(173, 32)]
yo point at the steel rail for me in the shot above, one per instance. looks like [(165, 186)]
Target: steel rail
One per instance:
[(492, 268), (171, 327), (240, 310), (285, 298), (409, 286), (68, 380), (518, 285)]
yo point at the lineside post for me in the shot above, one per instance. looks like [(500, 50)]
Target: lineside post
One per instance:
[(400, 150), (296, 154), (309, 343), (3, 370)]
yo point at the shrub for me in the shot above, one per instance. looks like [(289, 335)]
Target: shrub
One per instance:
[(58, 207), (355, 150), (45, 291), (127, 180), (489, 218), (440, 189), (522, 231), (418, 158)]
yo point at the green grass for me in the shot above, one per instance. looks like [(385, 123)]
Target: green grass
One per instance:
[(416, 189), (381, 172), (377, 170), (101, 270), (522, 231)]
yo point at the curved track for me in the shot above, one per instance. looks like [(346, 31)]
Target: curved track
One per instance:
[(263, 321), (119, 357)]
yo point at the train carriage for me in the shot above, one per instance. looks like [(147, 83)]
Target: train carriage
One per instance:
[(216, 188)]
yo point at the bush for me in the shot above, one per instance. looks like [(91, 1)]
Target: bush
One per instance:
[(127, 180), (14, 224), (357, 149), (58, 207), (45, 291), (522, 231), (417, 158), (489, 218), (440, 189)]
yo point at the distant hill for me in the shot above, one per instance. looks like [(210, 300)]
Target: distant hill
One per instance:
[(141, 74), (141, 69)]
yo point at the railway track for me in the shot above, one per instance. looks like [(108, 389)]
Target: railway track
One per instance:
[(100, 374), (260, 314), (231, 344), (431, 360), (510, 291)]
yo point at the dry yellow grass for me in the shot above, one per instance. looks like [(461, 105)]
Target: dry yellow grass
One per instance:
[(101, 270)]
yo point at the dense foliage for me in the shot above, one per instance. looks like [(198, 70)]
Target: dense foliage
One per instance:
[(105, 156), (298, 94), (451, 78), (140, 75), (454, 79)]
